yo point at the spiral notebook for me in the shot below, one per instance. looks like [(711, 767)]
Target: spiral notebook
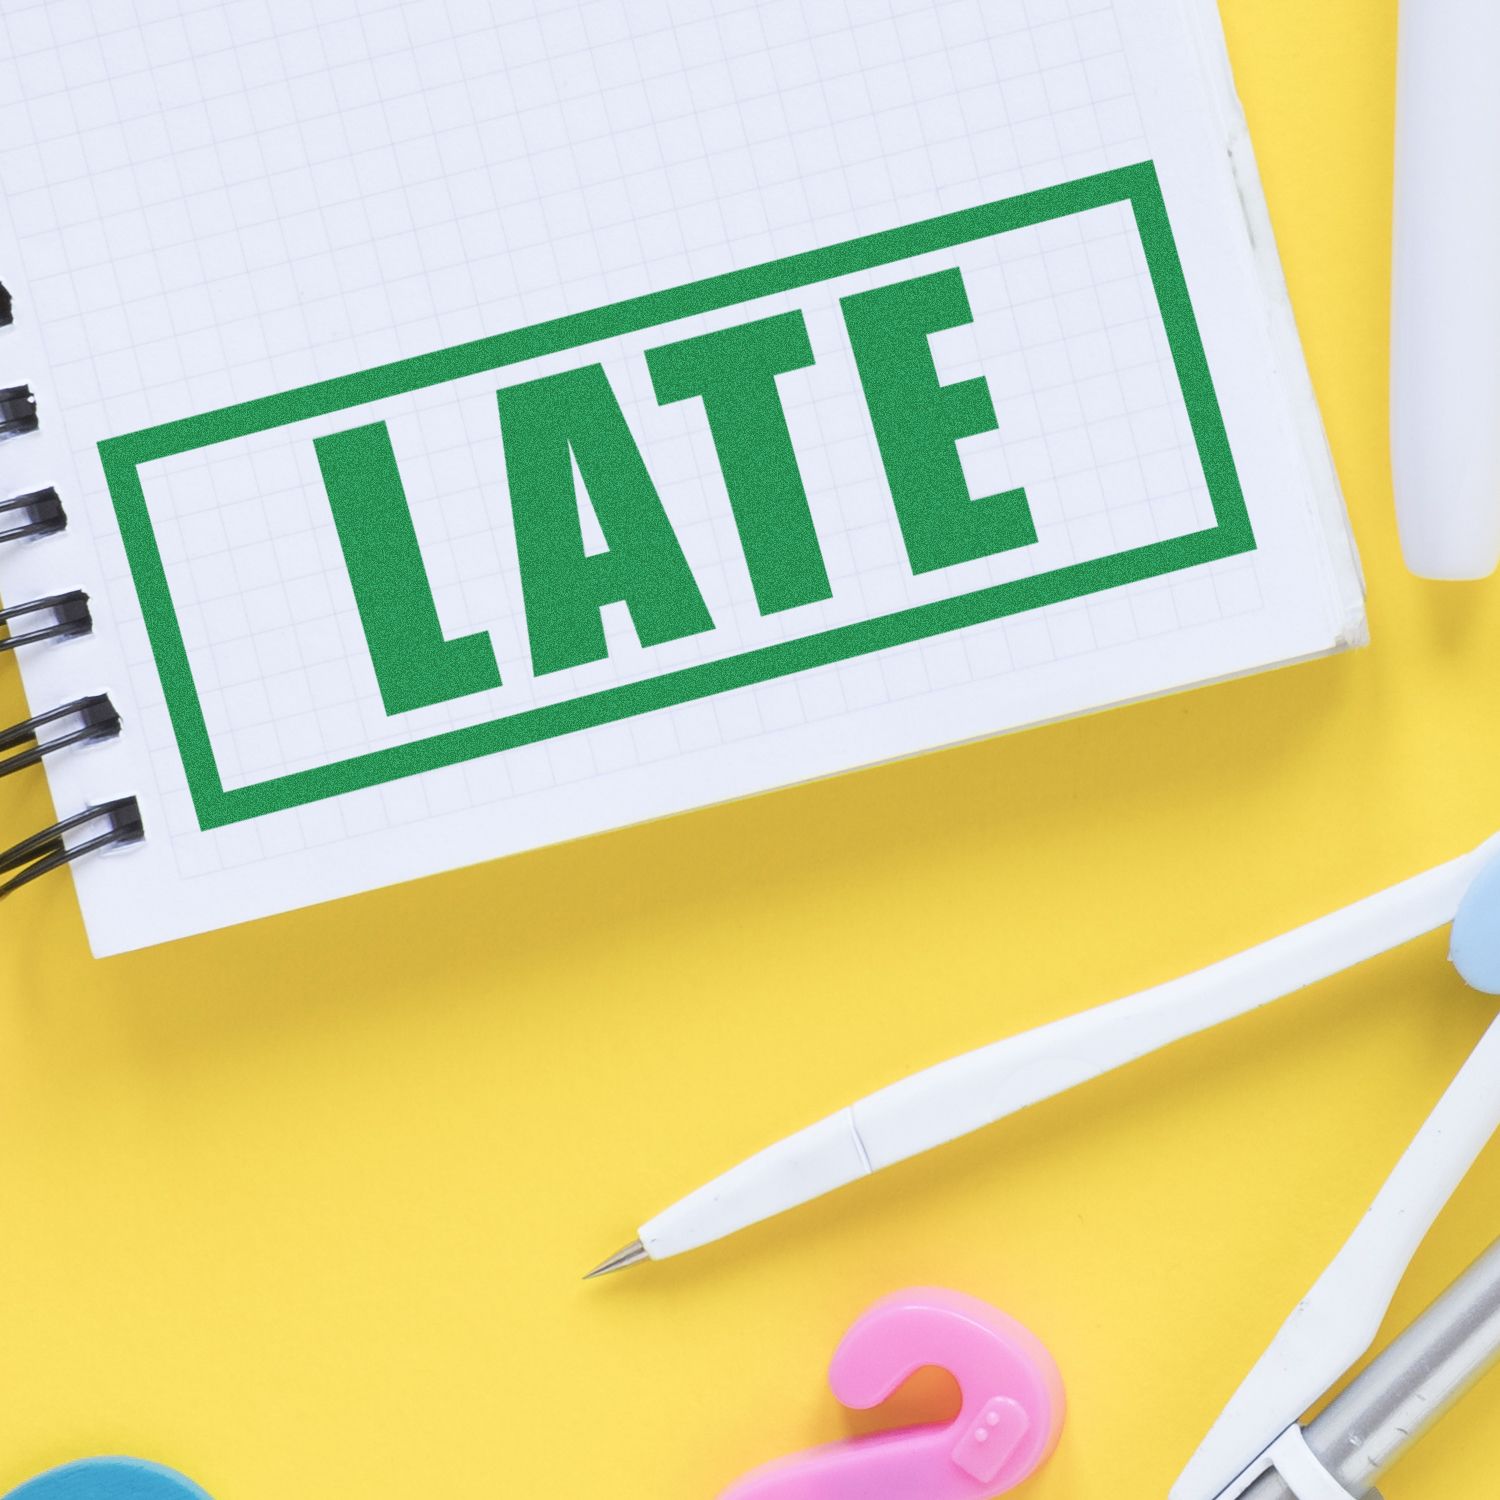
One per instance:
[(439, 429)]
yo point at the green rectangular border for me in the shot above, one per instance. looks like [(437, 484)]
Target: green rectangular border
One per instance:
[(1136, 185)]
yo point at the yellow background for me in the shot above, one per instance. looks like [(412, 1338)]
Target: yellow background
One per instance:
[(301, 1208)]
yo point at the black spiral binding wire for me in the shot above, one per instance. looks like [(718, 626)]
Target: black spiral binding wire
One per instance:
[(22, 744), (40, 513), (49, 850), (17, 411)]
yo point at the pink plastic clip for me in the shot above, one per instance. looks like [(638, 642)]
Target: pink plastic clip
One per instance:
[(1009, 1423)]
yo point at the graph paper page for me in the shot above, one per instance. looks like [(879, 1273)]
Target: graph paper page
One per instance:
[(484, 425)]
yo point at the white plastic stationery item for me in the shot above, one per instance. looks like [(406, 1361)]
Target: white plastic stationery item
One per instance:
[(1338, 1319), (1445, 301), (1299, 1466), (1256, 1449), (966, 1093)]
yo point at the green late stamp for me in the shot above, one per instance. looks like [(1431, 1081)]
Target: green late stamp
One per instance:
[(569, 424)]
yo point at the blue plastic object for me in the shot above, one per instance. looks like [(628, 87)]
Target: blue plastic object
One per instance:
[(1476, 932), (109, 1479)]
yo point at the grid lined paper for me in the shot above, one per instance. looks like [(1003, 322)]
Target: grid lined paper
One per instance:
[(213, 202)]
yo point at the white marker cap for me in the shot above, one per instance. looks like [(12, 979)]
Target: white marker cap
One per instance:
[(1445, 308)]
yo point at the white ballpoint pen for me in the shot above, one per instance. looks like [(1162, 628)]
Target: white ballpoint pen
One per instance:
[(979, 1088)]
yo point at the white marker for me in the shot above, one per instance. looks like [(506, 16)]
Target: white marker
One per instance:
[(1445, 299)]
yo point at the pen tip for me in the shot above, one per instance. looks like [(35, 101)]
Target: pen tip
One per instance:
[(632, 1255)]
